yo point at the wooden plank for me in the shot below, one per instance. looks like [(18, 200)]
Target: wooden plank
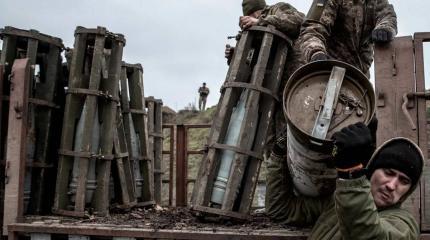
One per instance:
[(267, 105), (422, 128), (16, 144), (249, 126), (109, 108), (88, 122), (394, 76), (72, 113), (238, 71), (123, 166), (158, 150), (137, 101)]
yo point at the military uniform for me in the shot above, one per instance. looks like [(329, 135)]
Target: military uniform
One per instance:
[(350, 213), (203, 93), (343, 28)]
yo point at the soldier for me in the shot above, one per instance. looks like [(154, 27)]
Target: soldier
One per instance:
[(283, 16), (346, 30), (203, 93), (367, 201)]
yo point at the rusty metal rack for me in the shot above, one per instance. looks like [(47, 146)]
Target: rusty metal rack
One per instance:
[(86, 151), (155, 138), (136, 132), (248, 96), (45, 96)]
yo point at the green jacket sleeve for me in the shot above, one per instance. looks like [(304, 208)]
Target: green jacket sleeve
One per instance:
[(359, 218), (283, 17), (386, 17), (316, 30), (282, 205)]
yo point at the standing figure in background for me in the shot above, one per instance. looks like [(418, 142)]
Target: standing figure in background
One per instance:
[(203, 93), (346, 30)]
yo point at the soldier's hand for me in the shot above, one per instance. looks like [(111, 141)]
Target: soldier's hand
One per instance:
[(319, 56), (247, 22), (228, 53), (353, 146), (382, 35)]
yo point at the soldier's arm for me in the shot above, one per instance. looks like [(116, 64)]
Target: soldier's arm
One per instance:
[(283, 17), (316, 28), (282, 205), (386, 17)]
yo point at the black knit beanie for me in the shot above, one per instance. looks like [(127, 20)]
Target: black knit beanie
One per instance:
[(250, 6), (401, 156)]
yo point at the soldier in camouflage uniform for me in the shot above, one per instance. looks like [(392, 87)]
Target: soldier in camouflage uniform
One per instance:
[(284, 17), (346, 30)]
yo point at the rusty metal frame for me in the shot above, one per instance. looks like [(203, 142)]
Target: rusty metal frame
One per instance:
[(419, 39), (16, 143), (394, 77), (182, 153)]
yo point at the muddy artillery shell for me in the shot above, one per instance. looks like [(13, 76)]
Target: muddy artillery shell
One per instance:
[(304, 97)]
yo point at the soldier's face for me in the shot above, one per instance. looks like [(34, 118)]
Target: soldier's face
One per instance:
[(388, 186)]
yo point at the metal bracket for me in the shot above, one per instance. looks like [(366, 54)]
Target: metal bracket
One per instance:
[(411, 104), (330, 97)]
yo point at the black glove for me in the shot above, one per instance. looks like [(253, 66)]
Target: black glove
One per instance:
[(382, 35), (319, 56), (353, 146)]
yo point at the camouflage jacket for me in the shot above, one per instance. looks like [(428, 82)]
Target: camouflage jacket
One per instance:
[(283, 17), (342, 29), (350, 213), (203, 91)]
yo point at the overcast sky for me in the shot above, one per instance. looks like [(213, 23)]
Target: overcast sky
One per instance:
[(180, 43)]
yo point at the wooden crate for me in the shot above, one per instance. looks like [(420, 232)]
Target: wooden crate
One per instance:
[(93, 89), (256, 72), (136, 132)]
